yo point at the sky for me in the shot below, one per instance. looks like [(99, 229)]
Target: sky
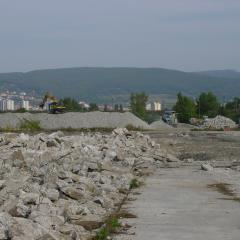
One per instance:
[(188, 35)]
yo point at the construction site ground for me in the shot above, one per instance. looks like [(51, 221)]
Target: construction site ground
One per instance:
[(185, 202)]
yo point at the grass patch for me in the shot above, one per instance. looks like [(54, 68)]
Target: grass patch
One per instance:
[(8, 128), (130, 127), (222, 188), (111, 226), (86, 130), (30, 125), (134, 184), (225, 190)]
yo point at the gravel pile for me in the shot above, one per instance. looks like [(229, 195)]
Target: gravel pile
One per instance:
[(160, 124), (219, 122), (61, 187), (74, 120)]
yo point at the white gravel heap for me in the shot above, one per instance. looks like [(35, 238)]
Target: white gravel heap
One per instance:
[(160, 125), (74, 120), (219, 122)]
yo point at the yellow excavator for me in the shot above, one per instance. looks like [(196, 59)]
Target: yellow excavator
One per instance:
[(52, 104)]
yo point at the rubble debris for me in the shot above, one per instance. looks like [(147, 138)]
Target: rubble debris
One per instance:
[(206, 167), (219, 122), (56, 186)]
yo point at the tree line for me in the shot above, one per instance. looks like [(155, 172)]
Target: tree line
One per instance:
[(72, 105), (206, 104)]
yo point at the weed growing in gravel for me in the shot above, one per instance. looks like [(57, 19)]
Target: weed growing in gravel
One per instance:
[(30, 125), (102, 234), (130, 127), (111, 226), (224, 188), (8, 128), (134, 184)]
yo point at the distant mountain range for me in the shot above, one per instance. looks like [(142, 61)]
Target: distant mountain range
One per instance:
[(105, 84), (221, 73)]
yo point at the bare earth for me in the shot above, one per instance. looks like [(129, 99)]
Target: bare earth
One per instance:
[(178, 204)]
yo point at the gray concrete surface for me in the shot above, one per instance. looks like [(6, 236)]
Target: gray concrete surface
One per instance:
[(176, 204)]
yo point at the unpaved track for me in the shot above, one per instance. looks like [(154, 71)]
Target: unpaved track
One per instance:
[(176, 204)]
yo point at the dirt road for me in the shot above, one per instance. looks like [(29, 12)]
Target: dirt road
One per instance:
[(177, 204)]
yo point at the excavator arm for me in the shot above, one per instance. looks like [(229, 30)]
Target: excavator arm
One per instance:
[(53, 105), (47, 97)]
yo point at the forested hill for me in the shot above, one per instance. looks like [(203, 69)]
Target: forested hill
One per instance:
[(98, 84)]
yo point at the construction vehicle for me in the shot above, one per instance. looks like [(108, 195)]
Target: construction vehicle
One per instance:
[(170, 117), (52, 104)]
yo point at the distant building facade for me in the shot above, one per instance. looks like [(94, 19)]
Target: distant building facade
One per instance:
[(154, 106), (25, 104), (84, 104), (7, 105)]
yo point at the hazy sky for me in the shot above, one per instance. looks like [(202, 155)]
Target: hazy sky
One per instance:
[(178, 34)]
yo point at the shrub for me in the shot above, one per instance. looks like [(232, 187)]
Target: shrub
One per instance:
[(110, 227), (30, 125), (8, 128), (134, 183), (130, 127)]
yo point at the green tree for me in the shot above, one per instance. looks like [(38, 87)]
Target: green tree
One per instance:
[(71, 105), (232, 109), (234, 105), (21, 110), (105, 108), (116, 108), (138, 103), (185, 108), (93, 107), (121, 108), (208, 104)]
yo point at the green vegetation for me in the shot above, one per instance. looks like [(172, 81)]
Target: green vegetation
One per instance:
[(208, 104), (134, 184), (153, 116), (71, 105), (103, 130), (130, 127), (93, 107), (111, 225), (21, 110), (232, 109), (138, 103), (30, 125), (118, 108), (185, 108), (8, 128)]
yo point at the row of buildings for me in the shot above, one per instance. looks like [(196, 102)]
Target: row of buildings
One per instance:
[(10, 105)]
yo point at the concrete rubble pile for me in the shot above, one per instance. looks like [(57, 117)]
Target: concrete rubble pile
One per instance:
[(54, 186), (219, 122)]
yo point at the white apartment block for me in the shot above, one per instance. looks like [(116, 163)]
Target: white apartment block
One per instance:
[(25, 104), (3, 105), (154, 106), (7, 105)]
